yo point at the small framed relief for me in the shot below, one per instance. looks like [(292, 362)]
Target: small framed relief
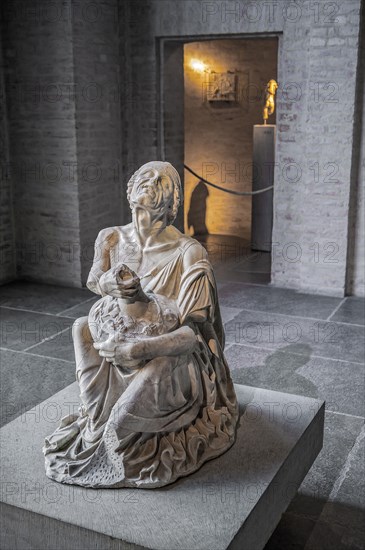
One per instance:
[(221, 87)]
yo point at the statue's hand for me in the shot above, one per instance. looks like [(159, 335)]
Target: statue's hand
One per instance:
[(116, 353), (111, 286)]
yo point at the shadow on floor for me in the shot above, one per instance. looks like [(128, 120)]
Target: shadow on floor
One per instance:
[(279, 371), (320, 525)]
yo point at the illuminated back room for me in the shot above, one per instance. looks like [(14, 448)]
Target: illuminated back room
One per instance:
[(225, 82)]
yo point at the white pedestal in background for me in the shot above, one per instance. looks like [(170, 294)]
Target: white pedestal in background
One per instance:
[(263, 176)]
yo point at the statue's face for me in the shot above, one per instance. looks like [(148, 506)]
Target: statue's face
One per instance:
[(273, 86), (151, 189)]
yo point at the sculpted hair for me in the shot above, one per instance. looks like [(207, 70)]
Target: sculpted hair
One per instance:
[(164, 169)]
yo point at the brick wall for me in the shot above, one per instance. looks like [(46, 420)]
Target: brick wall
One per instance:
[(357, 262), (317, 67), (7, 236), (170, 133), (98, 122), (62, 78), (356, 256), (323, 207), (41, 113)]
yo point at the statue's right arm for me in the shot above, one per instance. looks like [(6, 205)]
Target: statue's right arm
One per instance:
[(101, 263)]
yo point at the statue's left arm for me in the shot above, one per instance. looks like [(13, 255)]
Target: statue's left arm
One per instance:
[(198, 298), (179, 342)]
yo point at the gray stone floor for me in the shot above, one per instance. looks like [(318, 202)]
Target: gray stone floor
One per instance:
[(276, 339)]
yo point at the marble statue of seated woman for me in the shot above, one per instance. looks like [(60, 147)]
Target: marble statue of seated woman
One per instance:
[(157, 400)]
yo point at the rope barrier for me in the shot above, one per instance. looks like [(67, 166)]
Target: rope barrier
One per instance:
[(241, 194)]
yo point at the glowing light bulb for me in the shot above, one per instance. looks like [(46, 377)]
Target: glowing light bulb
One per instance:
[(198, 66)]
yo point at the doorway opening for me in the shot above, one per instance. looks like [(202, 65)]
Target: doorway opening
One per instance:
[(212, 92), (224, 86)]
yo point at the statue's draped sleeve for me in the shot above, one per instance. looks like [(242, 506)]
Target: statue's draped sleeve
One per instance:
[(198, 301)]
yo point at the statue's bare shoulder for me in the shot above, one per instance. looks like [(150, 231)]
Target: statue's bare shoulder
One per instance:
[(110, 236)]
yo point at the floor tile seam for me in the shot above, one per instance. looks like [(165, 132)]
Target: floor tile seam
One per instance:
[(336, 308), (226, 282), (315, 521), (269, 286), (294, 353), (241, 260), (72, 362), (36, 355), (47, 339), (332, 524), (61, 313), (234, 270), (346, 467), (294, 316), (34, 311), (359, 417), (253, 272), (239, 309)]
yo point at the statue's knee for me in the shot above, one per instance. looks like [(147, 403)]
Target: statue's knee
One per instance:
[(80, 329), (159, 367)]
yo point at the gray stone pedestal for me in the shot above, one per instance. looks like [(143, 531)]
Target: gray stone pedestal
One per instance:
[(233, 502), (263, 176)]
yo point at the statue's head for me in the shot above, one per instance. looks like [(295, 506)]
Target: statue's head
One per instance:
[(156, 186), (272, 86)]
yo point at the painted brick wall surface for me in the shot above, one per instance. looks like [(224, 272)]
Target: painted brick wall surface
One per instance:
[(7, 237), (171, 140), (98, 122), (323, 207), (356, 257), (41, 111), (127, 99), (62, 75), (317, 72), (357, 281)]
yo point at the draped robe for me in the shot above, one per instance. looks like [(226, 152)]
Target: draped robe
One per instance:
[(147, 427)]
